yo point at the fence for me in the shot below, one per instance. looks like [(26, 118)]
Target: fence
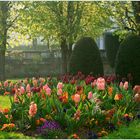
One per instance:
[(38, 63), (32, 63)]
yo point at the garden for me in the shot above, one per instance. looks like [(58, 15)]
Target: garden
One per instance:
[(89, 88), (71, 106)]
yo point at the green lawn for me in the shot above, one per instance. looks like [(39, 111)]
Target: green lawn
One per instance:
[(131, 132), (12, 135), (4, 102)]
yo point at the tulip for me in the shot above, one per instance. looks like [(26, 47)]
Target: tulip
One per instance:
[(137, 97), (59, 91), (6, 84), (118, 97), (136, 89), (100, 83), (93, 84), (22, 90), (125, 86), (48, 91), (76, 98), (45, 87), (32, 109), (28, 88), (90, 95), (60, 85), (121, 84)]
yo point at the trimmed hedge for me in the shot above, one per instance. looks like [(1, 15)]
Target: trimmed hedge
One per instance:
[(111, 45), (128, 58), (86, 58)]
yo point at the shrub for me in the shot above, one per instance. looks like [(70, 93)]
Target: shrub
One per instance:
[(128, 58), (86, 58), (111, 45)]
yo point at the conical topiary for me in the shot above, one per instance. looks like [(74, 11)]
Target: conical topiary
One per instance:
[(128, 58), (111, 46), (86, 58)]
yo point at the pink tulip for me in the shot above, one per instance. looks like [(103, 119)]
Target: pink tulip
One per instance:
[(45, 87), (125, 86), (93, 84), (136, 89), (60, 85), (32, 109), (76, 98), (6, 84), (59, 91), (16, 99), (22, 90), (28, 88), (100, 83), (48, 91), (90, 95), (121, 84), (11, 84), (29, 94)]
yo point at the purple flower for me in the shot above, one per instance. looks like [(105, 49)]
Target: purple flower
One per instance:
[(50, 125)]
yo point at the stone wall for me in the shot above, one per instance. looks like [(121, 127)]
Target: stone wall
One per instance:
[(39, 63)]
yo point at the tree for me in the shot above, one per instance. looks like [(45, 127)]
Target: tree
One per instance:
[(4, 25), (125, 14), (8, 16), (64, 21), (136, 8)]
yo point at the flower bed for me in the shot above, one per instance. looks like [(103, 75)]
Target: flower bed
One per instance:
[(69, 107)]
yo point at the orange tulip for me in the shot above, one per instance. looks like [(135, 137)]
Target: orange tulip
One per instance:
[(64, 97), (126, 115), (5, 111), (9, 126), (75, 136), (42, 120), (118, 97), (6, 93), (110, 90), (37, 122), (76, 98)]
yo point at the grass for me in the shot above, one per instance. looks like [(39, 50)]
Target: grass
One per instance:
[(125, 132), (4, 102), (10, 135)]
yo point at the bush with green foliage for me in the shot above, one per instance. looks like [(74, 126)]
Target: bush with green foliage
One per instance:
[(128, 58), (86, 58), (111, 45)]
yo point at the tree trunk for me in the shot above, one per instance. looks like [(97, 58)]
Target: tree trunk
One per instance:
[(64, 52), (35, 43), (3, 40), (136, 8), (69, 53), (2, 65), (2, 55)]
